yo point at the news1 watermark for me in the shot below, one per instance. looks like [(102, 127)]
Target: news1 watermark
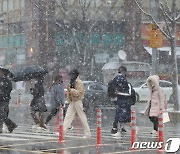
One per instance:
[(171, 145)]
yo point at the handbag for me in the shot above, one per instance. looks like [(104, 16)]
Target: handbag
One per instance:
[(166, 117)]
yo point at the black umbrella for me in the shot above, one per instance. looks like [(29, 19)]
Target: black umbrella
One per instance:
[(29, 72), (6, 72)]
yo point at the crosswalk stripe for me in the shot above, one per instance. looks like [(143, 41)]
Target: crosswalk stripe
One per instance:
[(26, 133)]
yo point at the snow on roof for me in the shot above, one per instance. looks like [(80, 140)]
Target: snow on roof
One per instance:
[(165, 49)]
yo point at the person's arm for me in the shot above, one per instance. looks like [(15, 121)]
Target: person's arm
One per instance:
[(77, 92), (128, 92), (7, 87)]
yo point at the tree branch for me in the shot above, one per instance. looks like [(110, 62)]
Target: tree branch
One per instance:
[(165, 19), (168, 6), (165, 13), (178, 17), (150, 16)]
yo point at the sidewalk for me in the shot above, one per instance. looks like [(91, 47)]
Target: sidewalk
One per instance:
[(139, 107)]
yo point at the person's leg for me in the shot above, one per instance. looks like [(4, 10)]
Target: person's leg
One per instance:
[(156, 123), (41, 120), (2, 116), (79, 109), (8, 122), (34, 117), (52, 114), (69, 117), (122, 129), (154, 120), (115, 127), (115, 123)]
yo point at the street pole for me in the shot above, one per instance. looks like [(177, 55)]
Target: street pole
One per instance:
[(155, 53)]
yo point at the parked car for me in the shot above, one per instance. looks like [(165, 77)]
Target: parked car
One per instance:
[(142, 91), (95, 95)]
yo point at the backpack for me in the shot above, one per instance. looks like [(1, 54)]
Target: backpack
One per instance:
[(112, 88), (133, 97)]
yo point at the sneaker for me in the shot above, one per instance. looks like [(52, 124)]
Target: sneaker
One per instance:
[(44, 129), (118, 134), (71, 128), (35, 126), (123, 130), (114, 130), (87, 136), (154, 132), (5, 129), (11, 129)]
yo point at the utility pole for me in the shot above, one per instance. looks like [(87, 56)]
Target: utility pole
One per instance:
[(155, 53)]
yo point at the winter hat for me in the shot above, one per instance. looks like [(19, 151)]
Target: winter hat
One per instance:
[(155, 81), (74, 72)]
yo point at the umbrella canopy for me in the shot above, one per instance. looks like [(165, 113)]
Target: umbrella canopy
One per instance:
[(29, 72), (6, 72)]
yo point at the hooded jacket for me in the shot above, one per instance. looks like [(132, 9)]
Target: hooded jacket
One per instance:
[(77, 93), (156, 101)]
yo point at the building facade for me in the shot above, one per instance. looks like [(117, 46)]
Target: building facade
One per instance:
[(56, 33)]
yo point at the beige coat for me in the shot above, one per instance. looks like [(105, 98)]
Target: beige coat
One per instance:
[(77, 93), (157, 99)]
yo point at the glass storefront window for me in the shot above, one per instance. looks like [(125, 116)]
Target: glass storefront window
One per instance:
[(17, 5), (10, 5), (5, 7), (22, 4), (0, 5)]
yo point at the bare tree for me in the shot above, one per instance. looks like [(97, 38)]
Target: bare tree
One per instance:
[(82, 19), (170, 18), (132, 30)]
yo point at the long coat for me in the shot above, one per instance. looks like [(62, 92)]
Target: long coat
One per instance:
[(156, 102), (38, 102), (123, 104), (5, 90)]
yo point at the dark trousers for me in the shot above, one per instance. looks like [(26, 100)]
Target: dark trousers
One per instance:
[(38, 120), (53, 113), (154, 120), (4, 112)]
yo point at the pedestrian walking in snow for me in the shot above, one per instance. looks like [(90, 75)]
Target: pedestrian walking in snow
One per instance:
[(38, 104), (122, 101), (57, 97), (5, 90), (156, 103), (75, 95)]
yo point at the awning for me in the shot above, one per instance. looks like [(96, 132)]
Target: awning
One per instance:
[(165, 49)]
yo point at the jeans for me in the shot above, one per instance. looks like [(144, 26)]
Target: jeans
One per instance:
[(52, 114)]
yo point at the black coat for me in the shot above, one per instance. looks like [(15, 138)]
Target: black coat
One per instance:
[(5, 90), (123, 103), (38, 102)]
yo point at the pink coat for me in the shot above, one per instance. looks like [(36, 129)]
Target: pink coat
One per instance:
[(157, 99)]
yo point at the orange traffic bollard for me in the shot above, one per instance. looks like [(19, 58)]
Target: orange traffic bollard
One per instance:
[(98, 131), (160, 131), (133, 128), (61, 133)]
